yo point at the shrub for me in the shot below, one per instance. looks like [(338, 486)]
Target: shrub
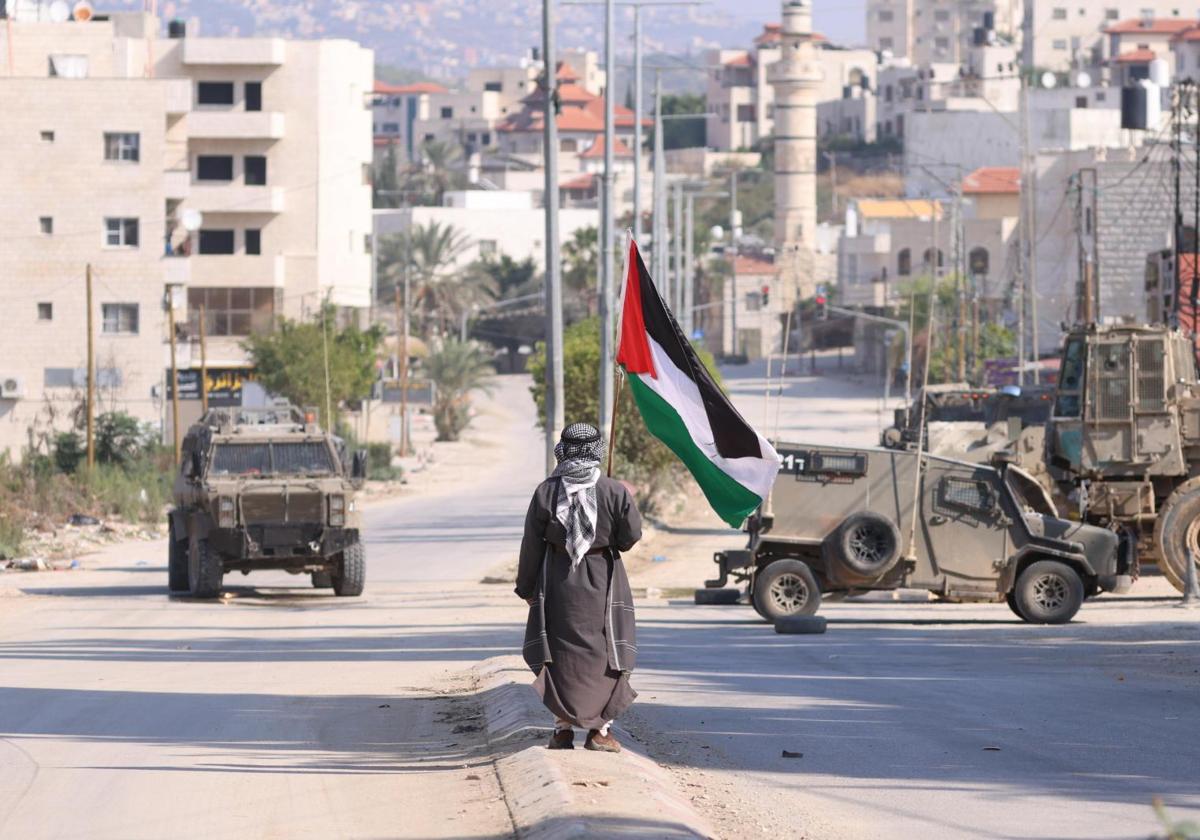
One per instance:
[(69, 451), (457, 369)]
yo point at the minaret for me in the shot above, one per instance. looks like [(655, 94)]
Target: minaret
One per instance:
[(796, 78)]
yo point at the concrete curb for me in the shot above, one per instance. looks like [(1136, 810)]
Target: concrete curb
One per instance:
[(552, 795)]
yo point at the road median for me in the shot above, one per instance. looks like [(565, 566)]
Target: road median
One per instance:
[(573, 793)]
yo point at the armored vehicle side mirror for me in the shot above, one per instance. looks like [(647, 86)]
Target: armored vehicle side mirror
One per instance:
[(358, 465)]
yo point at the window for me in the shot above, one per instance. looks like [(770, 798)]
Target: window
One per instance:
[(1059, 13), (967, 494), (1112, 14), (253, 241), (214, 93), (487, 247), (1070, 380), (123, 146), (1151, 384), (1059, 44), (904, 263), (886, 43), (216, 242), (45, 311), (253, 96), (927, 258), (46, 223), (485, 138), (745, 113), (941, 15), (119, 318), (121, 232), (232, 311), (447, 112), (255, 170), (47, 136), (493, 87), (942, 43), (77, 377), (1110, 377), (214, 167), (391, 128), (886, 15)]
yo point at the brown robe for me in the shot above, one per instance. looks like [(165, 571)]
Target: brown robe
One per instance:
[(580, 639)]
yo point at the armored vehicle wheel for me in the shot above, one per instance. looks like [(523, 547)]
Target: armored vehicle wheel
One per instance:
[(204, 571), (322, 580), (1048, 592), (1177, 535), (866, 544), (785, 588), (351, 571), (177, 562), (1011, 600)]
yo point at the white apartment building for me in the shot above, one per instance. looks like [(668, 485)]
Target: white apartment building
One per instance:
[(115, 137), (937, 31), (886, 244), (1061, 35), (741, 102)]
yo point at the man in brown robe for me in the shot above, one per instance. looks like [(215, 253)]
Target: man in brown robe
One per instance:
[(580, 639)]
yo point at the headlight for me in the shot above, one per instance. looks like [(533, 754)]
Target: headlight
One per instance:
[(337, 511), (226, 512)]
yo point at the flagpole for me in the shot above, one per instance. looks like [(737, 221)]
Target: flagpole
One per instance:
[(620, 377)]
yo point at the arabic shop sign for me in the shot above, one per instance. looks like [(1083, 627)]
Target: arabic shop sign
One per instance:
[(224, 385)]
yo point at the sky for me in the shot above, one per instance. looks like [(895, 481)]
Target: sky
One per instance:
[(843, 21)]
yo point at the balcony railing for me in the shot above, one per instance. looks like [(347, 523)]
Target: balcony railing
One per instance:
[(235, 198), (235, 125), (245, 51)]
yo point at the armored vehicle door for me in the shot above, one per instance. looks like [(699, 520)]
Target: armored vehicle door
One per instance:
[(964, 526)]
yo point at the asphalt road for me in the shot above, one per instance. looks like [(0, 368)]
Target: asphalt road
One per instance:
[(285, 712)]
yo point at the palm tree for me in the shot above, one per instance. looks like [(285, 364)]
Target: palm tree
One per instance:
[(439, 292), (457, 369), (440, 168)]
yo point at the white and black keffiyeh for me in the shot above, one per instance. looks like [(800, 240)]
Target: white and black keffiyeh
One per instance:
[(579, 452)]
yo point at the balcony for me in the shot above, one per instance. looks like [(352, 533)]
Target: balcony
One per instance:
[(177, 183), (179, 96), (236, 270), (235, 198), (235, 125), (236, 51)]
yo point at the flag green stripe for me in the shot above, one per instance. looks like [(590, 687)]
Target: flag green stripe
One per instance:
[(732, 501)]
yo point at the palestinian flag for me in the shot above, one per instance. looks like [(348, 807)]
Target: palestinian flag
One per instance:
[(685, 409)]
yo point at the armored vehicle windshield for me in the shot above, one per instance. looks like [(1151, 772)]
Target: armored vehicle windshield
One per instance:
[(272, 459)]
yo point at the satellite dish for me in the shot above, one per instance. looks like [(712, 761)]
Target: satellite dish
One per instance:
[(191, 219), (1083, 79), (82, 11), (60, 12), (717, 232), (1049, 80)]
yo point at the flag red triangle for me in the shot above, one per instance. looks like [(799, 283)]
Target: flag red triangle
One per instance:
[(633, 354)]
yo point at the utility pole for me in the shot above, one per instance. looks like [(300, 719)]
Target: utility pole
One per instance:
[(203, 363), (607, 321), (91, 372), (658, 250), (733, 249), (554, 322), (402, 361), (680, 279), (689, 259), (176, 442), (638, 95), (1032, 292)]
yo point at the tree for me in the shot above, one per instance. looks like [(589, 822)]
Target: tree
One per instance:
[(438, 293), (440, 169), (510, 278), (640, 457), (683, 134), (581, 261), (457, 369), (385, 180), (290, 360)]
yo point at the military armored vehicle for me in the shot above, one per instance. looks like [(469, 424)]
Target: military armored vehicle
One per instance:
[(1124, 437), (842, 522), (265, 489), (959, 417)]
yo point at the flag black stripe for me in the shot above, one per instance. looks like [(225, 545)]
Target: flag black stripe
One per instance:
[(733, 435)]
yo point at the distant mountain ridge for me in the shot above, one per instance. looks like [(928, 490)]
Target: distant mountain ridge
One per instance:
[(445, 38)]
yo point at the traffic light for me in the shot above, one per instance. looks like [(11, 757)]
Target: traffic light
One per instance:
[(766, 295), (822, 308)]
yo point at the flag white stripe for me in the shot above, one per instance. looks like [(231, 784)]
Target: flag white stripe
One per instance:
[(679, 391)]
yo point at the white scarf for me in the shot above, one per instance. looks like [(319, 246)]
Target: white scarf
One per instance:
[(575, 506)]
